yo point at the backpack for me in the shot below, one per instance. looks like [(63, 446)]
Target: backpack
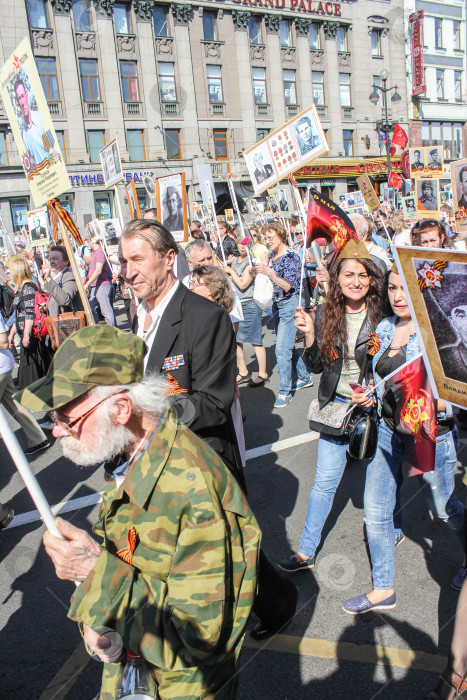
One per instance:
[(39, 327)]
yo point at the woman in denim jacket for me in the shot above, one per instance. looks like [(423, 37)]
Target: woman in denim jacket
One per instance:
[(398, 343)]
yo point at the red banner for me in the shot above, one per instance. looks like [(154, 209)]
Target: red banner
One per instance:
[(418, 73), (327, 219), (399, 137)]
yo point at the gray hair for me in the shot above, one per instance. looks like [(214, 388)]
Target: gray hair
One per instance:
[(147, 396), (159, 238), (361, 225), (195, 245)]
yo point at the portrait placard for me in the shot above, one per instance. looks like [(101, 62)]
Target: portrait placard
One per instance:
[(111, 164), (409, 207), (369, 195), (285, 201), (426, 195), (132, 199), (150, 186), (435, 283), (459, 193), (33, 130), (286, 149), (171, 202), (108, 228), (229, 216), (38, 227), (426, 162)]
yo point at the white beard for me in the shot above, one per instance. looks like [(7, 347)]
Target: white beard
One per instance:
[(108, 440)]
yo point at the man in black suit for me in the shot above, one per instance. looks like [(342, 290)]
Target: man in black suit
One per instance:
[(38, 232), (262, 172), (191, 341), (181, 267)]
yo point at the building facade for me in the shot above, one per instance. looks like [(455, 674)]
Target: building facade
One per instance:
[(184, 83), (439, 115)]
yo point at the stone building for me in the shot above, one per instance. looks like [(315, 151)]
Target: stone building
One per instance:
[(185, 83)]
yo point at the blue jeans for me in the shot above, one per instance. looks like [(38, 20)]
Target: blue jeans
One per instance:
[(102, 296), (332, 458), (382, 477), (283, 316)]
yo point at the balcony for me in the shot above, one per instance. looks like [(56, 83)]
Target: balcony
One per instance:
[(171, 109), (94, 109), (262, 110), (217, 110), (347, 112), (133, 109), (292, 110), (220, 168), (322, 111), (55, 108)]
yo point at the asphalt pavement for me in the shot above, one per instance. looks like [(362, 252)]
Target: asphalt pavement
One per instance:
[(324, 653)]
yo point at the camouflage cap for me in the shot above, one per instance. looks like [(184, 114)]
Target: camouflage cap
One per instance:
[(99, 355)]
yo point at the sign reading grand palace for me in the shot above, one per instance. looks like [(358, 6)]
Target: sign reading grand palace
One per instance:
[(314, 7)]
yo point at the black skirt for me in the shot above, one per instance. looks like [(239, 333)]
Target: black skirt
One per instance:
[(34, 362)]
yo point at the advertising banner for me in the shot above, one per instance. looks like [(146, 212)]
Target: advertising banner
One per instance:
[(416, 34)]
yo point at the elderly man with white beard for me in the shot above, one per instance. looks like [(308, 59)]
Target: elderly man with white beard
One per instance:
[(174, 577)]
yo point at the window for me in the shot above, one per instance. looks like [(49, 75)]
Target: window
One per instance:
[(447, 133), (129, 79), (458, 85), (379, 83), (376, 42), (313, 33), (290, 96), (48, 75), (318, 87), (122, 18), (259, 85), (262, 133), (82, 18), (342, 38), (172, 143), (19, 213), (159, 18), (456, 35), (344, 86), (136, 149), (220, 144), (209, 25), (166, 74), (284, 33), (89, 79), (440, 84), (214, 83), (61, 143), (254, 30), (438, 33), (348, 142), (4, 159), (38, 14), (96, 141), (103, 205)]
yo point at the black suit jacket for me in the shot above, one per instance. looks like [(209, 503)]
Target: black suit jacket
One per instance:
[(202, 389)]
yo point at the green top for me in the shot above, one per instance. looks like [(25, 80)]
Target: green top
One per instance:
[(351, 371), (184, 601)]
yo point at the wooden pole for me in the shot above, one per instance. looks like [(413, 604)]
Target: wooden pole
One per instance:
[(73, 264)]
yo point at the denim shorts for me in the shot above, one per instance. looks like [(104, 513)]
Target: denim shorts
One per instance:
[(250, 329)]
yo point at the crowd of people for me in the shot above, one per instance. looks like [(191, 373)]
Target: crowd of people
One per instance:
[(192, 308)]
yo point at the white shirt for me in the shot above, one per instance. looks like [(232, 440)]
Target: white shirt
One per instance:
[(156, 315), (7, 361)]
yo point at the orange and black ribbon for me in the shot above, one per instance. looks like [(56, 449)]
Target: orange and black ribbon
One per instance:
[(173, 387), (126, 553), (373, 343), (55, 209)]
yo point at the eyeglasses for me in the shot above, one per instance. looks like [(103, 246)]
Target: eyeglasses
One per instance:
[(68, 426), (424, 223)]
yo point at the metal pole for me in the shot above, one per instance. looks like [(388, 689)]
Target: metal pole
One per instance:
[(386, 126)]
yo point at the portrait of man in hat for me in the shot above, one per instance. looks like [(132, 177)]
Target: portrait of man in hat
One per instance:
[(434, 159), (427, 194)]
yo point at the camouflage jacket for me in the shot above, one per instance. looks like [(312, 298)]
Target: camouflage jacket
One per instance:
[(184, 600)]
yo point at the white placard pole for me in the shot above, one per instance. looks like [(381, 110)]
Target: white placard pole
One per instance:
[(119, 206), (211, 201)]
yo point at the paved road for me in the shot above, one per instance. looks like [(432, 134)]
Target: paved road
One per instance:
[(324, 653)]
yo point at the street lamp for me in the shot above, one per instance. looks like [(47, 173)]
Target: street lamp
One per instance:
[(386, 126)]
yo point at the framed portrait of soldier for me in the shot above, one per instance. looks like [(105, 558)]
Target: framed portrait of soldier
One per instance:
[(295, 143), (409, 207), (426, 194), (132, 199), (171, 203), (459, 193), (32, 127), (435, 282), (150, 186), (426, 162), (111, 164), (109, 229), (284, 201), (38, 227)]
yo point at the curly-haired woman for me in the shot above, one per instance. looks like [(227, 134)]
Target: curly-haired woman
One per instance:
[(336, 348)]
